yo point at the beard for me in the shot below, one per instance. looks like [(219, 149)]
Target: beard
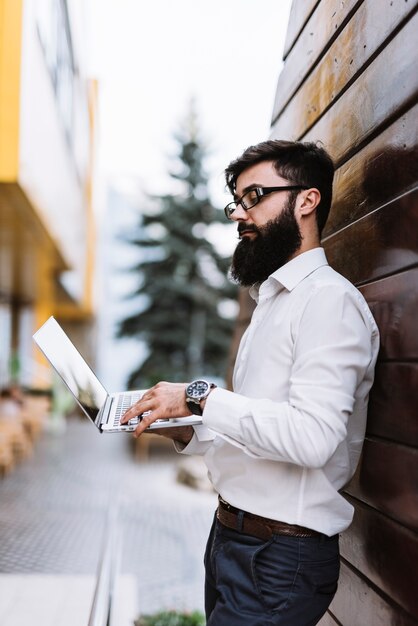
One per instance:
[(276, 242)]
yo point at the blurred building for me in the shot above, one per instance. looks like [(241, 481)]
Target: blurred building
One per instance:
[(47, 121)]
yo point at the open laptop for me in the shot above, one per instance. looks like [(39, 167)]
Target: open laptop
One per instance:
[(102, 408)]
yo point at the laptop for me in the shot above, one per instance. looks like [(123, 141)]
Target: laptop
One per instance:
[(102, 408)]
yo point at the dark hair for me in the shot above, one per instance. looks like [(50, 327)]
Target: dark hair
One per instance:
[(301, 163)]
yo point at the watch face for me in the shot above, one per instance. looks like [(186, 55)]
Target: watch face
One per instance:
[(197, 388)]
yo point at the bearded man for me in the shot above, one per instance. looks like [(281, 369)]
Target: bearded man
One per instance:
[(282, 444)]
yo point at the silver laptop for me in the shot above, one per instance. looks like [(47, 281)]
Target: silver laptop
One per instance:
[(102, 408)]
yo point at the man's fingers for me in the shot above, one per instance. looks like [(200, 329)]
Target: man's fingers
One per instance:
[(130, 413), (164, 400), (135, 410), (146, 421)]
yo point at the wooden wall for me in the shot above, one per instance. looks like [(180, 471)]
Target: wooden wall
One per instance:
[(350, 80)]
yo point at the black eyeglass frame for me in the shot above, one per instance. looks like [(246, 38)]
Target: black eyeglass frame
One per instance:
[(260, 193)]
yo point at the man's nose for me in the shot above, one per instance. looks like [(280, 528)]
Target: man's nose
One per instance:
[(240, 214)]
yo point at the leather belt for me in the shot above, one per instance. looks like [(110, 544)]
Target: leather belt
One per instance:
[(257, 526)]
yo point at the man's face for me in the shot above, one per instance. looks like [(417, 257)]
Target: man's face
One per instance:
[(269, 232)]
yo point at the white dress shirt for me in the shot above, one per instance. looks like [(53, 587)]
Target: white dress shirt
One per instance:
[(289, 436)]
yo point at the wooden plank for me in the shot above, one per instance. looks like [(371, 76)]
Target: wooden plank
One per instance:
[(379, 244), (382, 170), (393, 403), (356, 603), (384, 552), (367, 108), (321, 30), (357, 43), (394, 304), (299, 14), (328, 620), (387, 480)]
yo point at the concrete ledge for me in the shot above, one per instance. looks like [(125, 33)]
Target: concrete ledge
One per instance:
[(58, 600)]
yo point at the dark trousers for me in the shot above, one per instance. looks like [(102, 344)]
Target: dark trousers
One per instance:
[(286, 581)]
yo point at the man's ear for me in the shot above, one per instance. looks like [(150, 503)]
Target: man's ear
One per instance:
[(309, 200)]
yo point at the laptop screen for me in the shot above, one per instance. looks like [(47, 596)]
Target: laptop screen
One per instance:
[(70, 365)]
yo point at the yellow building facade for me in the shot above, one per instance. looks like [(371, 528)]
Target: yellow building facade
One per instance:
[(47, 122)]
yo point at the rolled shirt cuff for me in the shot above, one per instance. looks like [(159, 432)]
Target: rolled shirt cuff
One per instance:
[(224, 411), (199, 443)]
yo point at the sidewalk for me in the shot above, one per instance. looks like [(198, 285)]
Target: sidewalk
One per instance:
[(53, 512)]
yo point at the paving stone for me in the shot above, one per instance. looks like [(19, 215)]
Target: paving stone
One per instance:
[(54, 508)]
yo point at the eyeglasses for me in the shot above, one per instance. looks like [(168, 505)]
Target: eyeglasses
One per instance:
[(253, 197)]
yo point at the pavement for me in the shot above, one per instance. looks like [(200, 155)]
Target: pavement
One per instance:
[(53, 515)]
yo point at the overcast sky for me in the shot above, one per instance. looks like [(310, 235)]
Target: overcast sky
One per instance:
[(152, 57)]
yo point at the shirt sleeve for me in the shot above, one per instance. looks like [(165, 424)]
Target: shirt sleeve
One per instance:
[(199, 443), (332, 351)]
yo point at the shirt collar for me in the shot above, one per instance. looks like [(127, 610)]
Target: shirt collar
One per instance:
[(291, 274)]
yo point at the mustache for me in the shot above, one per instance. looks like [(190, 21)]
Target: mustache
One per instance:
[(246, 228)]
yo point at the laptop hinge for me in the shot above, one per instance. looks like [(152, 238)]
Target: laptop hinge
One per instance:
[(104, 411)]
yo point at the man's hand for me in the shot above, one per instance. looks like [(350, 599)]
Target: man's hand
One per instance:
[(181, 434), (164, 400)]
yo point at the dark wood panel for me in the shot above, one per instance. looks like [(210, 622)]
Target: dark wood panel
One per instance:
[(394, 304), (372, 101), (379, 244), (387, 480), (385, 552), (322, 28), (393, 403), (382, 170), (349, 53), (299, 14), (356, 603)]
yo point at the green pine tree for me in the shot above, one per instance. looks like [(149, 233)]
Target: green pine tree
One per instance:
[(183, 278)]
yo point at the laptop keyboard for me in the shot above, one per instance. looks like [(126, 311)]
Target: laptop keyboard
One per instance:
[(124, 402)]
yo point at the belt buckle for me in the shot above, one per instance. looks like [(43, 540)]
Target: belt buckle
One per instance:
[(224, 502)]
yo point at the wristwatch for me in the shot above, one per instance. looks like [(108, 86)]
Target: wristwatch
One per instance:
[(196, 391)]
